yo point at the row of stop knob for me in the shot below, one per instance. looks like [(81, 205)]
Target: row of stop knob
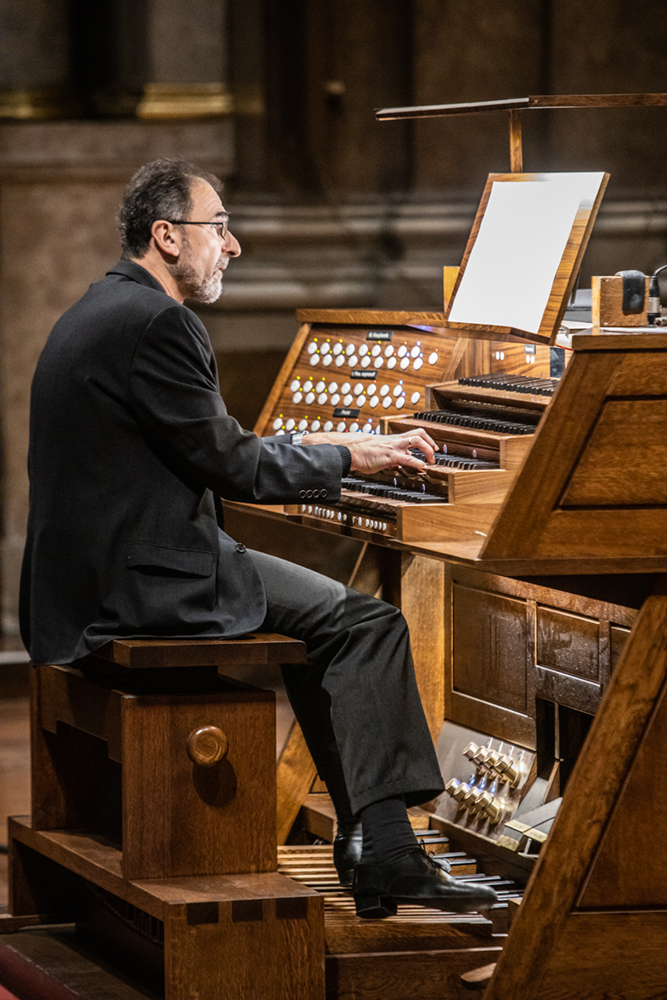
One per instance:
[(476, 800), (501, 764)]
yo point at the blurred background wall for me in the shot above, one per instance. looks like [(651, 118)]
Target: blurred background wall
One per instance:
[(331, 208)]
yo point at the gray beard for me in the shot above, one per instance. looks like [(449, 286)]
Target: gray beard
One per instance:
[(208, 291), (204, 290)]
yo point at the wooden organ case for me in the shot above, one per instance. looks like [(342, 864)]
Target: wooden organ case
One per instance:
[(533, 585)]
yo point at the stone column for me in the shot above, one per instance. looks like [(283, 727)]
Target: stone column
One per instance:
[(162, 58), (34, 60)]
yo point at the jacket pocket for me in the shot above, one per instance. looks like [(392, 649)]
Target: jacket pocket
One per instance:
[(167, 561)]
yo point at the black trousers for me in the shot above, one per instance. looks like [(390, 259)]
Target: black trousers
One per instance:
[(356, 697)]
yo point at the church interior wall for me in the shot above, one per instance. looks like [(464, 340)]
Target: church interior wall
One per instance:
[(332, 208)]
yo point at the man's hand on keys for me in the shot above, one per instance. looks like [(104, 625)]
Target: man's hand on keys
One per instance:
[(375, 452)]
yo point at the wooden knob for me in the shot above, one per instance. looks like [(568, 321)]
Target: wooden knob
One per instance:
[(207, 745)]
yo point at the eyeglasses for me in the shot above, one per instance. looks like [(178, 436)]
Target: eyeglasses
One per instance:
[(221, 228)]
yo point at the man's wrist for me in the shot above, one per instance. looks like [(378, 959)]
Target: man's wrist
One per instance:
[(297, 437)]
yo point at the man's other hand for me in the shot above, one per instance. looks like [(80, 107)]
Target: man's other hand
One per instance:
[(375, 452)]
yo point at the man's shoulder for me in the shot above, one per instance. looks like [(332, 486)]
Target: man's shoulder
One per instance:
[(127, 294)]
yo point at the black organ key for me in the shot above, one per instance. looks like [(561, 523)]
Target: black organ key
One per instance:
[(512, 383), (476, 421)]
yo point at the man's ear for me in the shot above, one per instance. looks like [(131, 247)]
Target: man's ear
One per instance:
[(165, 238)]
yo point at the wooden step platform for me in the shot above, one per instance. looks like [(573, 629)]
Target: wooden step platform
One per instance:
[(195, 937)]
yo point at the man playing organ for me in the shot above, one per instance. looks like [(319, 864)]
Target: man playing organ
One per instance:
[(131, 448)]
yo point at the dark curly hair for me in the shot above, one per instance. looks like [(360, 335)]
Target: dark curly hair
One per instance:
[(158, 190)]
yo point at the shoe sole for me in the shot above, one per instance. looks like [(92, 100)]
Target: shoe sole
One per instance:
[(375, 907), (380, 907)]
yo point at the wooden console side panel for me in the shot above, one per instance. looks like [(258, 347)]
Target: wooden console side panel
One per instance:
[(261, 426), (609, 956), (590, 487)]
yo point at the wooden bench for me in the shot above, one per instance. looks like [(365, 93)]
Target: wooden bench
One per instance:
[(154, 820), (151, 748)]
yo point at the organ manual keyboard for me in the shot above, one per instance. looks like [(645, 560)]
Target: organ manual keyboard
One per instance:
[(482, 433)]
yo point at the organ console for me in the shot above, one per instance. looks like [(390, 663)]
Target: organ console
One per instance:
[(534, 591), (528, 561)]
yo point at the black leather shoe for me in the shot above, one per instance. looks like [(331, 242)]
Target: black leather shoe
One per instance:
[(347, 847), (417, 881)]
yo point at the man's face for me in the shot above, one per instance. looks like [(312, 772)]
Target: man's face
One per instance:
[(204, 256)]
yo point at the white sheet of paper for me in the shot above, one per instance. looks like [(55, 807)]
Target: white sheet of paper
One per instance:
[(512, 266)]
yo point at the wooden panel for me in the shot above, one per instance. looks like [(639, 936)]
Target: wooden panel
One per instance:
[(623, 461), (568, 643), (641, 372), (592, 790), (560, 437), (250, 948), (618, 875), (296, 773), (566, 690), (609, 956), (38, 885), (615, 534), (271, 400), (427, 975), (490, 641), (607, 297), (422, 601), (100, 863), (67, 696), (532, 528), (183, 819), (423, 522), (74, 780)]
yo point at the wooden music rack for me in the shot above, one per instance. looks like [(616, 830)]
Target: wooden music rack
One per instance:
[(514, 106)]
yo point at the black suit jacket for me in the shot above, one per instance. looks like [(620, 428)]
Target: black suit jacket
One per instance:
[(130, 447)]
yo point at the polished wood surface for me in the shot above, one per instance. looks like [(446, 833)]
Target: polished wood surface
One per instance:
[(577, 494), (261, 647), (516, 144), (607, 303), (296, 774), (121, 767)]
